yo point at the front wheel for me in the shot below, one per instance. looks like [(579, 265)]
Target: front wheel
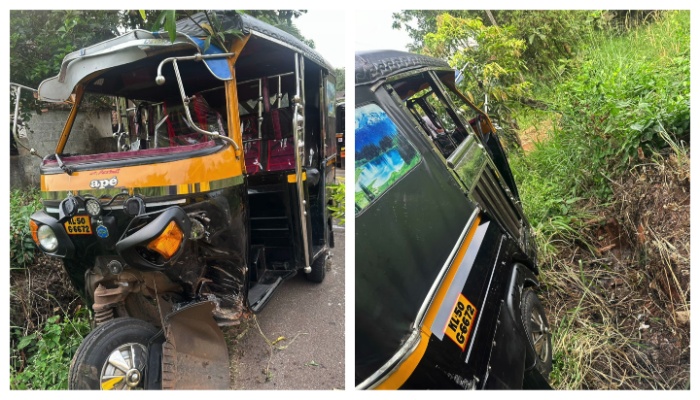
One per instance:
[(113, 356), (537, 329)]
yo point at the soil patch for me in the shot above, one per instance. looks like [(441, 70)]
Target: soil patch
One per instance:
[(40, 291), (629, 285), (535, 134)]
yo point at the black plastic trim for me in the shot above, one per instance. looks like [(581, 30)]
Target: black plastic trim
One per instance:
[(126, 246)]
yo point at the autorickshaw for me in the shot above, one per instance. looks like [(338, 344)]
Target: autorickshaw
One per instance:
[(210, 192), (445, 261), (340, 134)]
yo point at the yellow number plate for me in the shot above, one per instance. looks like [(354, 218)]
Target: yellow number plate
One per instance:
[(459, 326), (78, 225)]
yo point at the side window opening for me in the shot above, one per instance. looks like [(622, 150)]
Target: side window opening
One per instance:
[(265, 109), (433, 113)]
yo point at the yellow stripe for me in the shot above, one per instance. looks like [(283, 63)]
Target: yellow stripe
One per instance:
[(234, 122), (401, 374), (293, 177), (109, 385)]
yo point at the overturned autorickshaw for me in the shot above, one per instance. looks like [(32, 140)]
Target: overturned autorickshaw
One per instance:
[(446, 262)]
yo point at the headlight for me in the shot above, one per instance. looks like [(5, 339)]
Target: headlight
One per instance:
[(168, 243), (47, 238), (93, 207)]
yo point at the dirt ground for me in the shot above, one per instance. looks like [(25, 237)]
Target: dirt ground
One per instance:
[(40, 291), (298, 340), (636, 267), (653, 245)]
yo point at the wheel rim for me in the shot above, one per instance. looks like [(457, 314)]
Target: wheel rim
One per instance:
[(124, 368), (539, 333)]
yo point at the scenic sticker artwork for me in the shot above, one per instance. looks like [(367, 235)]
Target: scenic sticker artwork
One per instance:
[(382, 156)]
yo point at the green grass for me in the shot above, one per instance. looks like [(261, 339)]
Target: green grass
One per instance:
[(40, 360), (623, 100), (623, 96), (23, 203)]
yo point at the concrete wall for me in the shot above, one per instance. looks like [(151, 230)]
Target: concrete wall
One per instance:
[(92, 132)]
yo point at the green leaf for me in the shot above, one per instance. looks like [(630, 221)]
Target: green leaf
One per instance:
[(25, 341), (143, 14), (170, 24), (207, 43), (638, 126)]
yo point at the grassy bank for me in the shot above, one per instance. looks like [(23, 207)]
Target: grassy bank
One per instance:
[(606, 185)]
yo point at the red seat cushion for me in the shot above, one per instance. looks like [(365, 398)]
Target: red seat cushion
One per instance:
[(251, 147), (280, 154)]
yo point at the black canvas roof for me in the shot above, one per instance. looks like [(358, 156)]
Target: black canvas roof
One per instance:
[(248, 24), (371, 66)]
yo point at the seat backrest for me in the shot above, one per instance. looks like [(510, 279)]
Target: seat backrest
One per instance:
[(277, 132), (181, 132), (280, 154), (252, 145)]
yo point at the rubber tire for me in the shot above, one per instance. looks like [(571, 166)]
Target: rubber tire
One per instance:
[(531, 303), (318, 269), (87, 363), (331, 236)]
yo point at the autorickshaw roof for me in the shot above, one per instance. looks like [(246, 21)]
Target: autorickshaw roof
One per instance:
[(247, 24), (372, 66), (138, 45)]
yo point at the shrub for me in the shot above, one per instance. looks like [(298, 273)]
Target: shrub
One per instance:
[(336, 193), (22, 205), (627, 94), (41, 359)]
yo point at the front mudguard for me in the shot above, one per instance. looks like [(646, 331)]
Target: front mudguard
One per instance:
[(513, 358), (195, 354), (521, 278)]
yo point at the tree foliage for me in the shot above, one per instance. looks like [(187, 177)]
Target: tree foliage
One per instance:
[(339, 79), (550, 35), (40, 39), (490, 57)]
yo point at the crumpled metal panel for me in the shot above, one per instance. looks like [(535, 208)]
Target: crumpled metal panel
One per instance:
[(195, 354)]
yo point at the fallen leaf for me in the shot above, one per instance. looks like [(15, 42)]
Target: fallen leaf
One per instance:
[(279, 339), (683, 317)]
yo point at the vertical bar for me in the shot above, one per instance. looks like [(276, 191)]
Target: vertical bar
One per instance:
[(324, 118), (260, 108), (279, 91), (18, 90), (71, 119), (299, 129)]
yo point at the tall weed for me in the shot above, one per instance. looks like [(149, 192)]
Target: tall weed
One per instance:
[(40, 360), (627, 98), (626, 91), (22, 205)]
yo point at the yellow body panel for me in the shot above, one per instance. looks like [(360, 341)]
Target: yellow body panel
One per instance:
[(183, 174)]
